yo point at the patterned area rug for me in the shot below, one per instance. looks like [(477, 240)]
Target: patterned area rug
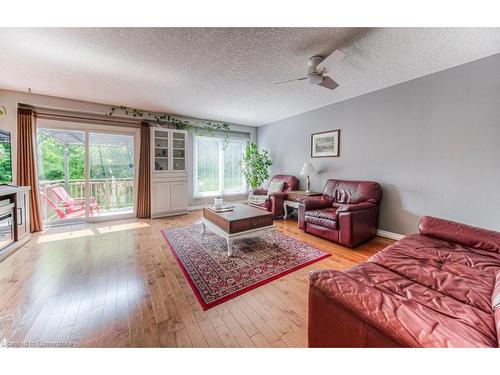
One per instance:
[(215, 278)]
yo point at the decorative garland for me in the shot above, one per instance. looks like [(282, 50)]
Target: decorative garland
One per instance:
[(167, 119)]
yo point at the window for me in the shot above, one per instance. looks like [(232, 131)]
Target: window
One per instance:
[(217, 168)]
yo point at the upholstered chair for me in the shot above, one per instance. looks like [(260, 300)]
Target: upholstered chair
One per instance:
[(272, 200), (346, 213)]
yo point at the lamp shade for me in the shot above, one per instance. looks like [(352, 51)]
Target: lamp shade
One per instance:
[(307, 169)]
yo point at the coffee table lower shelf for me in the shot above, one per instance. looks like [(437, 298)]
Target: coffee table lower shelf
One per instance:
[(234, 236)]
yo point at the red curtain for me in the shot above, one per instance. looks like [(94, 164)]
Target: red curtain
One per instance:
[(26, 163), (144, 178)]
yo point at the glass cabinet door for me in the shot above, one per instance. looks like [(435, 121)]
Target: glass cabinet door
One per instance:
[(161, 150), (178, 151)]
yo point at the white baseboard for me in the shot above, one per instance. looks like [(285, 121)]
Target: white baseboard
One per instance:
[(195, 208), (390, 235)]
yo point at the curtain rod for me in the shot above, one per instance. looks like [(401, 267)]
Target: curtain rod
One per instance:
[(94, 119), (73, 115)]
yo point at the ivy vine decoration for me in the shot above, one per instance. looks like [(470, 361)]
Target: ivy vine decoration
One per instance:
[(166, 119)]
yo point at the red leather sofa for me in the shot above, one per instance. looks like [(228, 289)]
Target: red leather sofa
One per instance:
[(438, 288), (346, 213), (275, 202)]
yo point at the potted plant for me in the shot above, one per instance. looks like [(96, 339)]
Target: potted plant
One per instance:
[(255, 166)]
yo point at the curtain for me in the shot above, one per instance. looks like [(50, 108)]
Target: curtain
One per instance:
[(144, 182), (26, 163)]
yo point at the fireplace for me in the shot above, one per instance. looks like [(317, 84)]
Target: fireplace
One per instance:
[(6, 225)]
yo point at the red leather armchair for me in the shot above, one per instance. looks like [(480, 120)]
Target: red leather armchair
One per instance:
[(275, 202), (346, 213)]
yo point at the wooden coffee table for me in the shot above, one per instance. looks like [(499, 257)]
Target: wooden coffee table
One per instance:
[(243, 222)]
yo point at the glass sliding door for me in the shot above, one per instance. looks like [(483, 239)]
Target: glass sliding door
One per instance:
[(61, 174), (111, 174), (85, 175)]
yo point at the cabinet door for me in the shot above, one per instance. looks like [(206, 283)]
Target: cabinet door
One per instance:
[(22, 212), (161, 197), (179, 150), (160, 150), (179, 196)]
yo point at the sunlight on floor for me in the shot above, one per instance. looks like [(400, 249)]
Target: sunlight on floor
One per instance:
[(87, 230), (120, 227), (44, 238)]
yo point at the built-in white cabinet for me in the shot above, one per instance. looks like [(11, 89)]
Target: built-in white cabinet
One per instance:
[(178, 190), (169, 189)]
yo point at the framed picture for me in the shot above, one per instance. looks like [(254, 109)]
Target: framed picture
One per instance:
[(325, 144)]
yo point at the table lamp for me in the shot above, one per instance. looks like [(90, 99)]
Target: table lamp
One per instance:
[(307, 170)]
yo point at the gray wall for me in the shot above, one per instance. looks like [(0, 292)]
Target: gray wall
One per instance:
[(433, 143)]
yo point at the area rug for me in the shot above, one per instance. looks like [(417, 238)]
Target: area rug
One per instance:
[(216, 278)]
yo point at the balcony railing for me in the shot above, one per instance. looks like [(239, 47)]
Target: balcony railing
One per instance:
[(111, 196)]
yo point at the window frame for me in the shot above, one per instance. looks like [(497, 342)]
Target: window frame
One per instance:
[(222, 191), (88, 128)]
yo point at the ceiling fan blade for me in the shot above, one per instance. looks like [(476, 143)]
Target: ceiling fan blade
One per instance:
[(289, 80), (330, 62), (329, 83)]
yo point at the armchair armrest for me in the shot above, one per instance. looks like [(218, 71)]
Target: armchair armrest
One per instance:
[(353, 207), (314, 203), (344, 312), (279, 195), (260, 192), (358, 226), (277, 200)]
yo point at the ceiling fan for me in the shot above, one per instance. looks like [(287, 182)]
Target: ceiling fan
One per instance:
[(318, 69)]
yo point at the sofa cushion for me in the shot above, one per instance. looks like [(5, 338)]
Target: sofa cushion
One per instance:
[(463, 274), (326, 217), (329, 213), (330, 224), (463, 234), (406, 312), (275, 186), (438, 284)]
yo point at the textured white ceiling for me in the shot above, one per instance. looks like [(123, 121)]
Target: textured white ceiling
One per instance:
[(226, 73)]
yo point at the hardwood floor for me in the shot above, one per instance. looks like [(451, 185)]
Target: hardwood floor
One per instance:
[(115, 284)]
